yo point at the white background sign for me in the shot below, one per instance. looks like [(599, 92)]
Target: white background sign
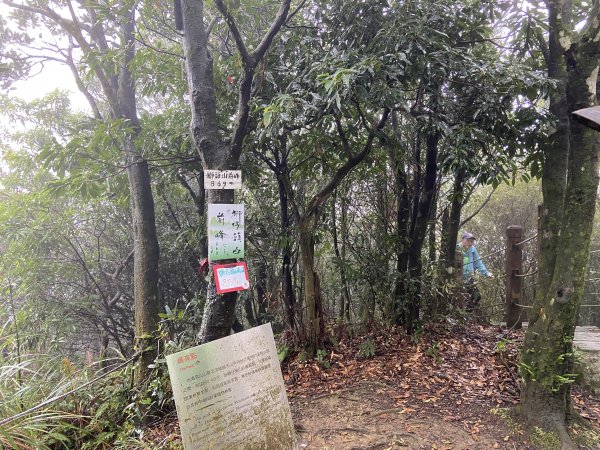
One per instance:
[(222, 179), (231, 277), (225, 231)]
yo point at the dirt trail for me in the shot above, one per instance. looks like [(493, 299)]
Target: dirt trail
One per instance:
[(366, 417)]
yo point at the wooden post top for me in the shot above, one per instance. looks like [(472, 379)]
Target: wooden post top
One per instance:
[(513, 231)]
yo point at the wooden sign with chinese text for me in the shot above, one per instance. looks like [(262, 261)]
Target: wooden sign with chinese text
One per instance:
[(222, 179)]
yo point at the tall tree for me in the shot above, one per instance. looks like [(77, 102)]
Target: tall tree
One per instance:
[(570, 186), (331, 113), (105, 39), (216, 150)]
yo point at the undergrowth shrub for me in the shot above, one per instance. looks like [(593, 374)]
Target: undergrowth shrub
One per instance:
[(366, 349)]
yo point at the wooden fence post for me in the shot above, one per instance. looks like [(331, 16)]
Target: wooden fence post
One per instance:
[(514, 283)]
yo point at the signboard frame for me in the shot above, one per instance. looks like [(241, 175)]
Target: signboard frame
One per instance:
[(218, 283)]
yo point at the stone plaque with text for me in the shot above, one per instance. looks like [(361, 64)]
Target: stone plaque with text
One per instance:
[(229, 394)]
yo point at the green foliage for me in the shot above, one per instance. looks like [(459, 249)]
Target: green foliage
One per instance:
[(502, 346), (560, 380), (545, 439), (367, 348), (322, 358), (26, 381), (553, 382), (527, 371), (434, 352), (283, 351), (585, 435), (415, 338), (64, 218)]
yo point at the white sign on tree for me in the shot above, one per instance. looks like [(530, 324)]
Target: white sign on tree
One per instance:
[(222, 179), (225, 231)]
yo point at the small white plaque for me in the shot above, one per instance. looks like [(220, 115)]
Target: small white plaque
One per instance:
[(222, 179)]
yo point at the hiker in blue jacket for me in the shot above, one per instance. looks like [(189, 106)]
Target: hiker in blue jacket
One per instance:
[(471, 263)]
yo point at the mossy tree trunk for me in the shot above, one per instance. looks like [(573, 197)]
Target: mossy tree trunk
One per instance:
[(340, 254), (216, 151), (312, 294), (279, 166), (402, 236), (415, 263), (570, 183)]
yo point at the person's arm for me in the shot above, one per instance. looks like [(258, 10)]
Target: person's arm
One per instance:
[(478, 264)]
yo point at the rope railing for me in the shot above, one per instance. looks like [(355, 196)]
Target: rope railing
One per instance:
[(514, 274), (515, 285), (527, 240), (483, 257), (523, 306), (524, 275), (501, 250)]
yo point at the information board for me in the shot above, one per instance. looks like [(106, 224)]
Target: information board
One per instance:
[(229, 394)]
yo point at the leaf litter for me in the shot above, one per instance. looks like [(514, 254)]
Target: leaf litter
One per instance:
[(439, 391)]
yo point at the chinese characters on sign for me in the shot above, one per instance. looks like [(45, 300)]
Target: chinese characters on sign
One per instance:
[(225, 231), (222, 179), (229, 393), (231, 277)]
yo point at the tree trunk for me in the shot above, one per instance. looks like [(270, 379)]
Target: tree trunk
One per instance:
[(145, 265), (306, 224), (289, 298), (312, 297), (415, 263), (249, 309), (433, 301), (219, 309), (344, 290), (450, 228), (547, 357), (216, 152), (451, 232), (402, 237), (344, 235), (261, 291), (218, 315), (146, 250)]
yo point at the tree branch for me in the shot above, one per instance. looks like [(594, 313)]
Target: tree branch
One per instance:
[(485, 202), (341, 173), (262, 48), (247, 60), (343, 138), (79, 82)]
